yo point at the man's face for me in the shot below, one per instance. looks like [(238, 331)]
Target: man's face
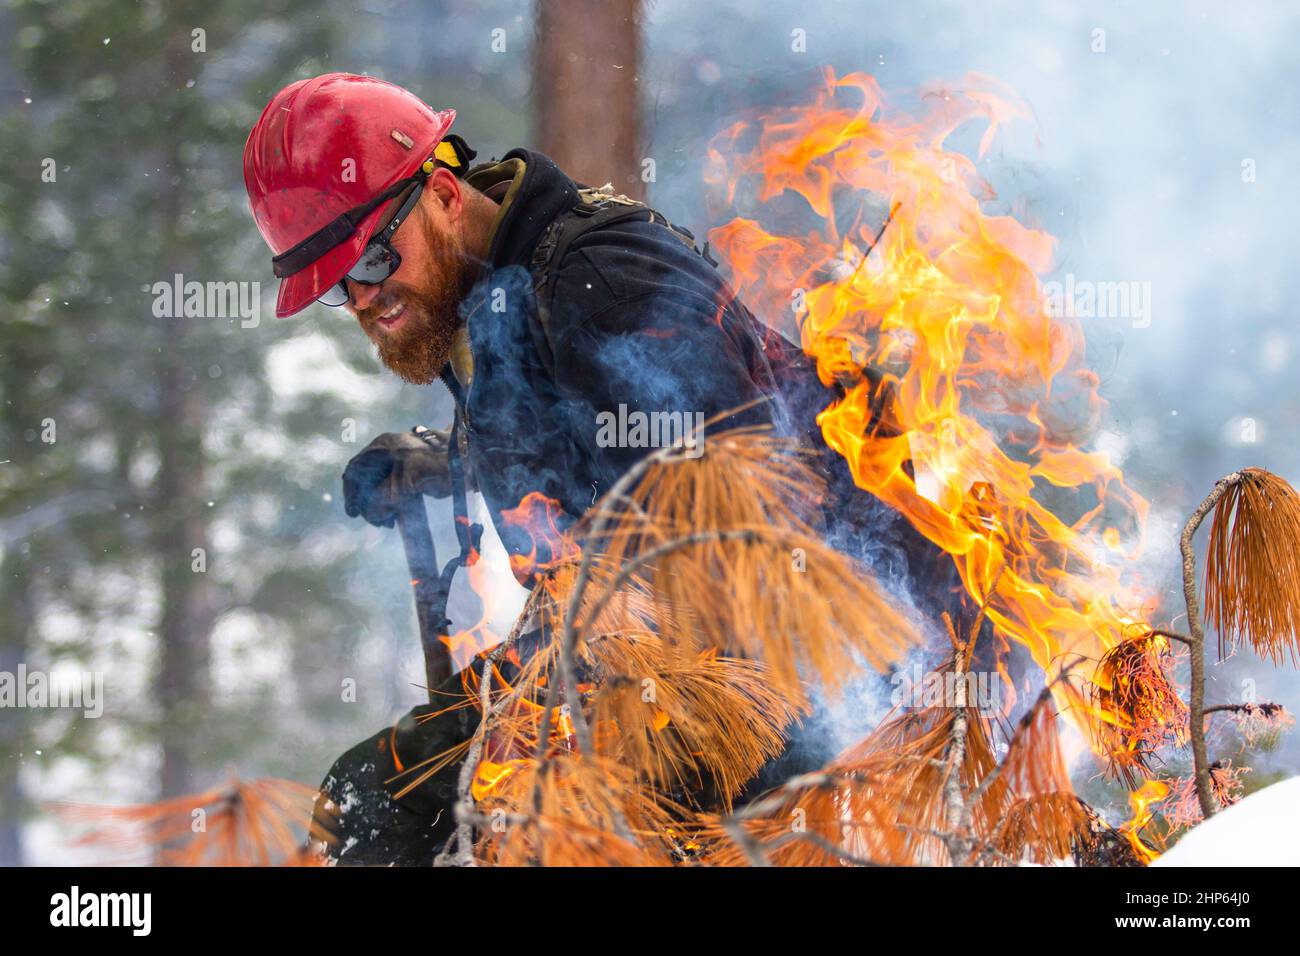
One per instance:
[(413, 315)]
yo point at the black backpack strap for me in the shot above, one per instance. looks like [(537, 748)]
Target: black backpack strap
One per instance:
[(595, 209)]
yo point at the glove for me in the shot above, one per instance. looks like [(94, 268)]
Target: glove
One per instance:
[(393, 467), (358, 820)]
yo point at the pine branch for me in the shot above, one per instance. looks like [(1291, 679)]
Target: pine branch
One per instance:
[(1200, 755)]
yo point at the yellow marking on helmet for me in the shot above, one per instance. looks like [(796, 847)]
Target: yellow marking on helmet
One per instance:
[(447, 154)]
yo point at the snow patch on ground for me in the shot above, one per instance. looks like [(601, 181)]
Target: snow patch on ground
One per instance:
[(1261, 830)]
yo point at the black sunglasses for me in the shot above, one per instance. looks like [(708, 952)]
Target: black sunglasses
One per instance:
[(379, 259)]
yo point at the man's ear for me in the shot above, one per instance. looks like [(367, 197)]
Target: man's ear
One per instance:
[(443, 188)]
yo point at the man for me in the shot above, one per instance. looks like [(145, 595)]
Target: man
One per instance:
[(541, 304)]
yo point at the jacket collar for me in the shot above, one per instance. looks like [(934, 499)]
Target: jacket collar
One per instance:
[(538, 192), (541, 194)]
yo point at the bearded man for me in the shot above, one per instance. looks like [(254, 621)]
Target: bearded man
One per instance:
[(544, 306)]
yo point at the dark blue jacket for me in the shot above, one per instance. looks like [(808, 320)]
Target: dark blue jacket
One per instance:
[(637, 319)]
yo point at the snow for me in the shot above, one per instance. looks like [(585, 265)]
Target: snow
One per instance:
[(1261, 830)]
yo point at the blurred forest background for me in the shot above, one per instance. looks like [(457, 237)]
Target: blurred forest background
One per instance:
[(177, 434)]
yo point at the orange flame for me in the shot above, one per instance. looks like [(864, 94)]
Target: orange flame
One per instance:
[(979, 399), (467, 644), (504, 755), (539, 516), (1141, 801), (489, 774)]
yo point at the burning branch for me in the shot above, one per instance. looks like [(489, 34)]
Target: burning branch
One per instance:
[(958, 817), (731, 563), (957, 813), (460, 849), (674, 660), (923, 787), (1252, 586), (1137, 708), (1044, 828), (464, 837)]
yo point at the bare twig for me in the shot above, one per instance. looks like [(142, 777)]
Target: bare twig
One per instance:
[(1200, 755), (1172, 635), (464, 838), (774, 799), (954, 799), (958, 808)]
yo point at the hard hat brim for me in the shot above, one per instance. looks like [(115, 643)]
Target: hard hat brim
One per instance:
[(306, 286)]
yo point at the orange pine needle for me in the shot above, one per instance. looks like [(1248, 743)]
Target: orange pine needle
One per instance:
[(1252, 566), (1137, 708), (261, 822)]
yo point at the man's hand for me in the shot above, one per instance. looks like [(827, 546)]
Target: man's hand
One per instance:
[(392, 467)]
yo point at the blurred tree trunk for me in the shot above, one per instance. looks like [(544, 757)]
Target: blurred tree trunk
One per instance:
[(19, 614), (18, 602), (586, 93), (184, 630)]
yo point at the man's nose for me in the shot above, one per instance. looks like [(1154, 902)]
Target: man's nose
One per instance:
[(361, 295)]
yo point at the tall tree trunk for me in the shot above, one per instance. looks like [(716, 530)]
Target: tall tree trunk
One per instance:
[(586, 93), (17, 610), (16, 622), (184, 630)]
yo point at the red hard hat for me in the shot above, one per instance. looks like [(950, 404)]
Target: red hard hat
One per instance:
[(325, 146)]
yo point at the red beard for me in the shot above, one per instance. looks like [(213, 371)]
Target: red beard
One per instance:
[(418, 348)]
